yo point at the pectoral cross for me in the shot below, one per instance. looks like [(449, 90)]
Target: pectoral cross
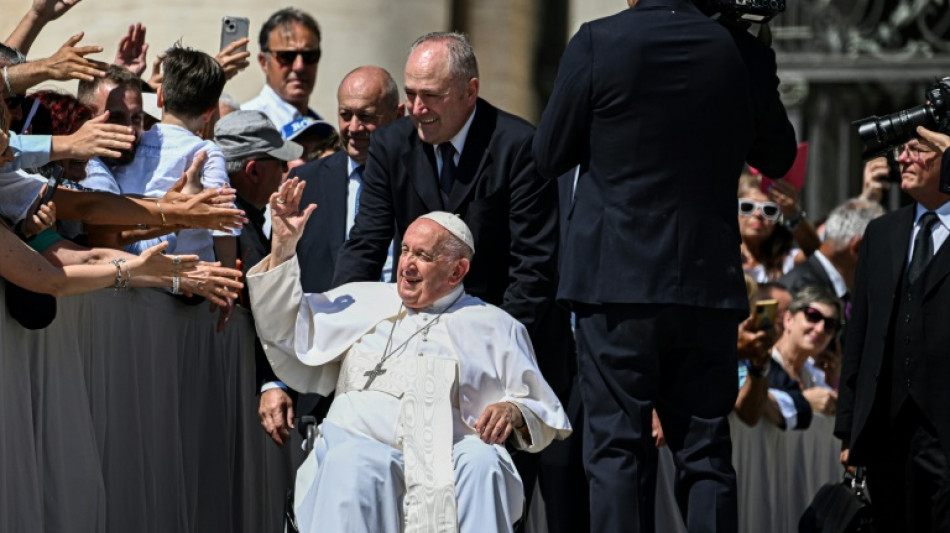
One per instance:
[(373, 374)]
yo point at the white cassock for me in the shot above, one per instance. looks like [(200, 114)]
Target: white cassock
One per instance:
[(398, 450)]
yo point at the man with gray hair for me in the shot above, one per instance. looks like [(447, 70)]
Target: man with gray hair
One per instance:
[(430, 384), (834, 264)]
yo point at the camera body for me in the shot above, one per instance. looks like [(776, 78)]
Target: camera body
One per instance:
[(880, 134), (758, 11)]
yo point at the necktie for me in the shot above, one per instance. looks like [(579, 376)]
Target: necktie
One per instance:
[(923, 247), (447, 176)]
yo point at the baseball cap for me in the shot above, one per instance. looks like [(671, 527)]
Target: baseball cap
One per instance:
[(244, 134), (298, 127)]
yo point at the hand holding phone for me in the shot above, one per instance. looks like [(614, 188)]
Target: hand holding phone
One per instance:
[(234, 29), (765, 314)]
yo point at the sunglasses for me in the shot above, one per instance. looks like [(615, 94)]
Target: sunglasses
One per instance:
[(287, 57), (770, 210), (814, 316)]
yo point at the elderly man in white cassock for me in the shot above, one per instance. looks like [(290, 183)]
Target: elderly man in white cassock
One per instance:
[(430, 384)]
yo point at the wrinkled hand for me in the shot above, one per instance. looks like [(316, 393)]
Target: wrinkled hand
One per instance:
[(276, 411), (822, 400), (754, 345), (784, 194), (68, 62), (232, 60), (497, 421), (155, 80), (936, 141), (132, 50), (875, 179), (657, 431), (219, 285), (49, 10), (154, 263), (43, 217), (287, 221), (96, 138)]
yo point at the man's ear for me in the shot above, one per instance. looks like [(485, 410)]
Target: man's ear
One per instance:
[(262, 59), (471, 91), (459, 272), (400, 110), (160, 95)]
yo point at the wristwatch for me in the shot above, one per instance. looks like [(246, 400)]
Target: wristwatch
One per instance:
[(793, 221)]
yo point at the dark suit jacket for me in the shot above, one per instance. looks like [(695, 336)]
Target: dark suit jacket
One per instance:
[(327, 181), (660, 106), (877, 282), (806, 274), (511, 211)]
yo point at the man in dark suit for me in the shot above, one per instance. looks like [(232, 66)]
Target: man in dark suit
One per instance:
[(893, 413), (458, 153), (661, 106), (367, 98)]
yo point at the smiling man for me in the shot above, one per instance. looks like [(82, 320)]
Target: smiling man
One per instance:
[(290, 52), (430, 384)]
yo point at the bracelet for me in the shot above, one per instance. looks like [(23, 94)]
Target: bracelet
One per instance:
[(118, 274), (6, 81), (162, 212), (176, 283)]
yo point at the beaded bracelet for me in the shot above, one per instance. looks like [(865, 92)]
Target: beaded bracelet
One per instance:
[(128, 274), (176, 283)]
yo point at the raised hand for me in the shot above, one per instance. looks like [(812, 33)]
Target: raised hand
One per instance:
[(132, 50), (68, 62), (234, 61), (287, 220), (47, 10)]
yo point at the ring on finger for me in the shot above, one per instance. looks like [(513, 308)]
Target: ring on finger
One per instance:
[(280, 201), (176, 259)]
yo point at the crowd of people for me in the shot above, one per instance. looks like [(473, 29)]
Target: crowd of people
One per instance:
[(542, 277)]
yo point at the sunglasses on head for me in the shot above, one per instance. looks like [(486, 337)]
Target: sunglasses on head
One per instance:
[(770, 210), (287, 57), (815, 316)]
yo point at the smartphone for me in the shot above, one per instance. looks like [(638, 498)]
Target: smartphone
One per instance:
[(765, 314), (234, 29)]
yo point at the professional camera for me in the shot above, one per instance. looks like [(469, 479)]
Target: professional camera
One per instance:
[(758, 11), (881, 134)]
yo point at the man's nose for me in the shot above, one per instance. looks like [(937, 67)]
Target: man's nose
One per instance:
[(298, 63)]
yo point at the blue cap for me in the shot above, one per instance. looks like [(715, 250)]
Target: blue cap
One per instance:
[(297, 127)]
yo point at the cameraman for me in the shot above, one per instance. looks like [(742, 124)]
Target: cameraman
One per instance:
[(660, 106), (894, 402)]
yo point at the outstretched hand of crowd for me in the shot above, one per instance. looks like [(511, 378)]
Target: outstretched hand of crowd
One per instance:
[(209, 209), (69, 63)]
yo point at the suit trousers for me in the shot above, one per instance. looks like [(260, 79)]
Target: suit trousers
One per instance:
[(682, 361), (909, 483)]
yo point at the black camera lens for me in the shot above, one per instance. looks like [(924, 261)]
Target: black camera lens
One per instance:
[(880, 133)]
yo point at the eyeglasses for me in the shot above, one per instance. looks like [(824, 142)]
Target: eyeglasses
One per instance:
[(916, 151), (815, 316), (287, 57), (770, 210)]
